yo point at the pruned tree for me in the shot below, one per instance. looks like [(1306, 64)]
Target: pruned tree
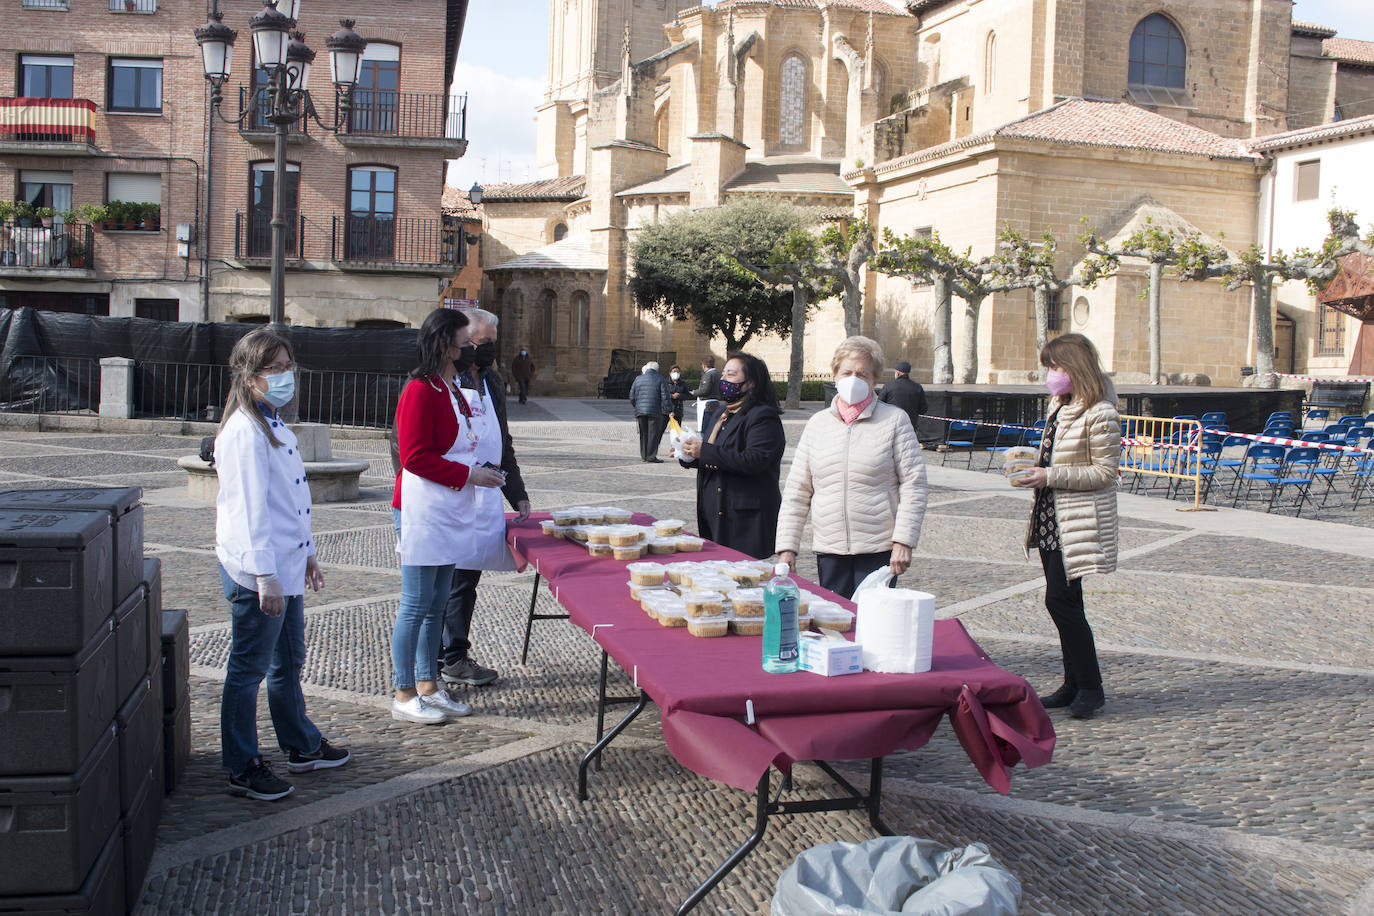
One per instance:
[(1019, 264), (684, 269), (923, 259), (844, 249)]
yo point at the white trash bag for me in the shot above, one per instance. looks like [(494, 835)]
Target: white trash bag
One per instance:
[(895, 626), (896, 875)]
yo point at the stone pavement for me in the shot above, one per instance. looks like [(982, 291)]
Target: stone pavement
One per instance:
[(1232, 772)]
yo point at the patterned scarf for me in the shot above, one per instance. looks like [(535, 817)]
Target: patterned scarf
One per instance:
[(850, 412)]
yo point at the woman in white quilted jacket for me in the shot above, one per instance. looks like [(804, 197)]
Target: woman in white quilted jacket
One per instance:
[(1073, 520), (859, 474)]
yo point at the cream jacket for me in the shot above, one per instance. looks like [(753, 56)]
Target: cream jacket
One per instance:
[(1083, 471), (864, 485)]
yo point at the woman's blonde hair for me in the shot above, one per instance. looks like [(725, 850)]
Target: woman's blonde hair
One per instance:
[(253, 353), (858, 346), (1076, 355)]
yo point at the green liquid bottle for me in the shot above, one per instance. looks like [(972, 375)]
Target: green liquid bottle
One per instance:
[(781, 639)]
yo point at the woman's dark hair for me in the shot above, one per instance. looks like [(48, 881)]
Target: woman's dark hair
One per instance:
[(436, 336), (756, 371)]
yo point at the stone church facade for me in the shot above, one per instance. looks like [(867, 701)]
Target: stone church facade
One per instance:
[(959, 116)]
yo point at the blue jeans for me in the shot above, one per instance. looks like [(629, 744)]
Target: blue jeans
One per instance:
[(419, 629), (270, 647)]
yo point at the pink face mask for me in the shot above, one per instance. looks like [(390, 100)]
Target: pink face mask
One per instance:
[(1058, 382)]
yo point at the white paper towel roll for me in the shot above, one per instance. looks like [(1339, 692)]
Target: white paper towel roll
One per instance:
[(896, 627)]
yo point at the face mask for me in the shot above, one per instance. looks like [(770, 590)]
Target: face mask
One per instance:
[(730, 392), (281, 388), (675, 375), (466, 357), (852, 389), (1058, 382), (485, 355)]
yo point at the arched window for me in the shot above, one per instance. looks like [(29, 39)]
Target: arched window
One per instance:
[(546, 328), (1158, 56), (560, 232), (792, 102), (581, 319), (989, 63), (880, 88)]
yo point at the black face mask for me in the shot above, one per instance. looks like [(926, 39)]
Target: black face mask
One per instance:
[(466, 357), (485, 355)]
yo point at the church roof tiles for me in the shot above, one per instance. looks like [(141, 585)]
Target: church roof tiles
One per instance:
[(867, 6), (569, 187), (1304, 135), (1349, 51), (571, 253)]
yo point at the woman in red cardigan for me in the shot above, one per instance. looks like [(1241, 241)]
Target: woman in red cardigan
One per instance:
[(432, 506)]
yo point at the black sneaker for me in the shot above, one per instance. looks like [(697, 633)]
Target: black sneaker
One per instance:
[(260, 782), (327, 757), (467, 671)]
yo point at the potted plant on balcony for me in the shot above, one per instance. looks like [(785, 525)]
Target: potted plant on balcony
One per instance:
[(95, 214), (24, 213), (116, 216), (129, 6), (151, 216), (45, 215), (76, 254)]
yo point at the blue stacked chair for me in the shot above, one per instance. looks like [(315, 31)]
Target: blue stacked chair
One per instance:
[(1261, 465), (960, 434), (1007, 437), (1320, 414), (1215, 418)]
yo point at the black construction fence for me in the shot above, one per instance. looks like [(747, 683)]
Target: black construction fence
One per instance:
[(50, 363)]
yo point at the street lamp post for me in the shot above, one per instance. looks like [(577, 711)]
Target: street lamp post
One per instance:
[(281, 52)]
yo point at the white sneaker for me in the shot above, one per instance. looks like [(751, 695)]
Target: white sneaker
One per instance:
[(450, 707), (418, 710)]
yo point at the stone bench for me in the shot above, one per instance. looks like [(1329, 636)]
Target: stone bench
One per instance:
[(332, 480)]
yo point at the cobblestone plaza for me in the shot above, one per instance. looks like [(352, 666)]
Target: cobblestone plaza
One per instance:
[(1232, 770)]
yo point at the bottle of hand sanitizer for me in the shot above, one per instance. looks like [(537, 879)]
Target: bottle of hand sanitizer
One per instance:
[(781, 640)]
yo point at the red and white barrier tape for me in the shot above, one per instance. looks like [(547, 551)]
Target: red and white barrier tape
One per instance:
[(1323, 378), (1280, 440)]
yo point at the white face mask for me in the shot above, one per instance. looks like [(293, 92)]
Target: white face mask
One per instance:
[(852, 389), (675, 375)]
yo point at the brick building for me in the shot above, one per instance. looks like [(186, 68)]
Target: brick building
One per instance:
[(105, 101), (958, 115)]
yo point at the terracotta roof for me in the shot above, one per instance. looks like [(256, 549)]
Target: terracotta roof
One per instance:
[(569, 187), (1349, 51), (677, 180), (1311, 28), (1314, 134), (1148, 212), (455, 200), (571, 253), (867, 6), (790, 175), (1101, 123)]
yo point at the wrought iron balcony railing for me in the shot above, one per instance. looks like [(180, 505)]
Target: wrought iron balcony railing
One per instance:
[(382, 241), (253, 235), (67, 246), (426, 115)]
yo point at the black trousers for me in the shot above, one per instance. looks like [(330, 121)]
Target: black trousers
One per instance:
[(841, 573), (458, 616), (650, 434), (1064, 601), (523, 385)]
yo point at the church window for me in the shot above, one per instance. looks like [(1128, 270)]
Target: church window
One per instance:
[(1330, 331), (792, 102), (989, 63), (560, 232), (548, 304), (581, 319), (880, 87), (1158, 56)]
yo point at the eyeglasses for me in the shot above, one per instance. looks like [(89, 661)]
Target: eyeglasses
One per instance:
[(277, 369)]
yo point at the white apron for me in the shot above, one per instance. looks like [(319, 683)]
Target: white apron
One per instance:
[(483, 545), (434, 518)]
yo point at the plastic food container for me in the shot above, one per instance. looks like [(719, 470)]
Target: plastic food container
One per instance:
[(830, 616), (613, 516), (718, 625), (668, 527), (566, 518), (646, 573), (624, 535), (599, 534), (687, 543), (744, 574), (632, 552), (679, 573), (601, 550), (671, 614), (592, 517), (708, 582), (703, 604), (662, 546), (549, 527), (1019, 459), (747, 602), (746, 626)]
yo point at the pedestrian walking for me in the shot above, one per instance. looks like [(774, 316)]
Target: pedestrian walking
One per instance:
[(738, 461), (486, 549), (652, 403), (905, 392), (266, 559), (678, 392), (708, 392), (859, 474), (523, 368), (435, 510), (1073, 521)]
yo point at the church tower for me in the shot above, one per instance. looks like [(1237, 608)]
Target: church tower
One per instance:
[(586, 47)]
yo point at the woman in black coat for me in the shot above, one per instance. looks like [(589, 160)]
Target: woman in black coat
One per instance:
[(737, 460)]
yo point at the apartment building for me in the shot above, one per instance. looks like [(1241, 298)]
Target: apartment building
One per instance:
[(103, 105)]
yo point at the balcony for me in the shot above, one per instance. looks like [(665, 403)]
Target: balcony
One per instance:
[(47, 127), (398, 245), (60, 250), (253, 237), (133, 6), (256, 128), (414, 120), (45, 5)]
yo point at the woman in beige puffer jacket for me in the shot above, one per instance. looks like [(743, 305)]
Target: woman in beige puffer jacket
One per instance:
[(1073, 521), (859, 474)]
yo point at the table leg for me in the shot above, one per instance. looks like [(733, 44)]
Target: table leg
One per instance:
[(531, 617), (761, 806), (596, 749)]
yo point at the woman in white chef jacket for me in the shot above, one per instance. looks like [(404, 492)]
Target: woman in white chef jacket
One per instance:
[(267, 558), (435, 504)]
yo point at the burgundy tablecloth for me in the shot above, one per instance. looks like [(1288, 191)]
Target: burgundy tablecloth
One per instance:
[(704, 686)]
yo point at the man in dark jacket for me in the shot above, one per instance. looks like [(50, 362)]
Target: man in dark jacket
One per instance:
[(652, 402), (708, 392), (522, 369), (456, 666), (906, 393)]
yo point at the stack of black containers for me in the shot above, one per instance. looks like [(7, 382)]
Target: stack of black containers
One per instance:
[(81, 700)]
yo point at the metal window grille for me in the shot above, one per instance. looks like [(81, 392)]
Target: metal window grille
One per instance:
[(1330, 331)]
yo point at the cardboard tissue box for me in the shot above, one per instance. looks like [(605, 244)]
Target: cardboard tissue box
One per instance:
[(830, 656)]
